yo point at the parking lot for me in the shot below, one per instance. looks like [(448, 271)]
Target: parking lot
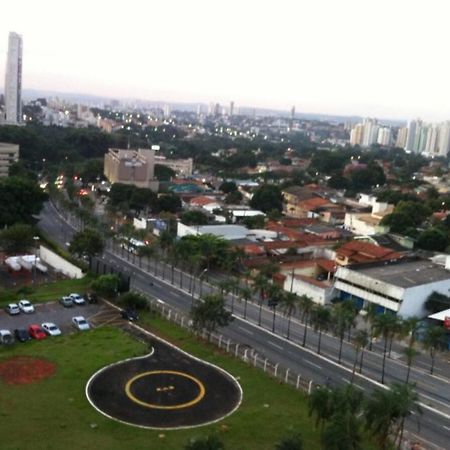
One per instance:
[(96, 314)]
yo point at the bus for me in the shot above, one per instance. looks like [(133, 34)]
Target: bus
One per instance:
[(132, 245)]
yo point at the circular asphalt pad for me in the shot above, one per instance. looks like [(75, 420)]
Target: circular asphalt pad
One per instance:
[(167, 389)]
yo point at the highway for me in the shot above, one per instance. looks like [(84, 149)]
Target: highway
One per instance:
[(433, 390)]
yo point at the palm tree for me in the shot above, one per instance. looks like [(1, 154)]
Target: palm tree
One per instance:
[(289, 304), (371, 314), (409, 327), (342, 320), (320, 404), (306, 305), (246, 294), (275, 294), (433, 340), (260, 286), (384, 325), (146, 251), (410, 354), (321, 318), (360, 341)]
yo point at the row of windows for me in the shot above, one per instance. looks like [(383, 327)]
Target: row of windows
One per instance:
[(371, 291)]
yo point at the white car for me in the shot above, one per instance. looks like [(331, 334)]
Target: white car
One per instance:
[(77, 299), (81, 323), (26, 307), (51, 329), (13, 309)]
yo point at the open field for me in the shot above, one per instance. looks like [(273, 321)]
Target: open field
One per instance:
[(55, 413)]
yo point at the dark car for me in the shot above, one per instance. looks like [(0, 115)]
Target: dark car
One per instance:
[(129, 314), (91, 297), (22, 335)]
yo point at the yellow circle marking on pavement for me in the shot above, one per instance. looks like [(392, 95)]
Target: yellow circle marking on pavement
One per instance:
[(132, 397)]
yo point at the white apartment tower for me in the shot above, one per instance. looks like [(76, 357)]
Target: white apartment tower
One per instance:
[(384, 136), (13, 80), (401, 137)]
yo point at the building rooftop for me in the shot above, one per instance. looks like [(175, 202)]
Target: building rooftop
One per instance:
[(404, 273)]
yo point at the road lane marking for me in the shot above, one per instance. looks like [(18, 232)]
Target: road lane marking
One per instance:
[(312, 364), (434, 400), (447, 428), (245, 330), (275, 345)]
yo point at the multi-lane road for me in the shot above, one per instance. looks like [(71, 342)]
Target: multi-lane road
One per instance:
[(434, 391)]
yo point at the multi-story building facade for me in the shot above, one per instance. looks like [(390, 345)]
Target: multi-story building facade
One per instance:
[(13, 80), (180, 166), (135, 167), (9, 154)]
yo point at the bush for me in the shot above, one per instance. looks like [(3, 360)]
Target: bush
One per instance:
[(133, 300)]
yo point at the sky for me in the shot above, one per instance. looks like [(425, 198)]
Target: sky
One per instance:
[(380, 58)]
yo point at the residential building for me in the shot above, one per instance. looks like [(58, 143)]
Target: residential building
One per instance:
[(134, 167), (356, 134), (401, 137), (401, 286), (411, 135), (13, 80), (370, 133), (357, 252), (384, 136), (367, 224), (9, 154), (444, 139)]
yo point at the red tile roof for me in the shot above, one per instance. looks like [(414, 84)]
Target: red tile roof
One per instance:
[(202, 200), (359, 251), (313, 203)]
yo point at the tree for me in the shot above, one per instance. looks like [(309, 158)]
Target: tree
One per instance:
[(266, 198), (260, 286), (306, 306), (293, 441), (169, 203), (386, 411), (227, 187), (21, 199), (320, 404), (321, 318), (371, 314), (409, 327), (164, 173), (87, 242), (254, 222), (360, 342), (246, 294), (106, 285), (343, 432), (342, 318), (210, 313), (289, 304), (437, 302), (206, 443), (17, 239), (433, 340), (133, 300), (234, 198), (433, 239), (385, 325), (194, 217)]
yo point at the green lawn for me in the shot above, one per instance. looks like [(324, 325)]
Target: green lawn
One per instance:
[(54, 414), (45, 292)]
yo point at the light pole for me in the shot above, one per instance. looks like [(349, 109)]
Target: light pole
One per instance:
[(36, 243)]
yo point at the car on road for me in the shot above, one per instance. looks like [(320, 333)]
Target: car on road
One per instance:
[(6, 337), (21, 335), (13, 309), (36, 332), (26, 306), (67, 302), (77, 299), (51, 329), (129, 314), (80, 323)]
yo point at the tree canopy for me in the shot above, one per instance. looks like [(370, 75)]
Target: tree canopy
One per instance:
[(17, 239), (88, 242), (210, 313), (267, 198)]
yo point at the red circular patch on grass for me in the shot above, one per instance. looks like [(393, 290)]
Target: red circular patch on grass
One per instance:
[(25, 370)]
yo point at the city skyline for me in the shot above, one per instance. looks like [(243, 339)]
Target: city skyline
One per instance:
[(342, 58)]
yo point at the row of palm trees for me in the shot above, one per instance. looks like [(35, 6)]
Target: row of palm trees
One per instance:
[(342, 414)]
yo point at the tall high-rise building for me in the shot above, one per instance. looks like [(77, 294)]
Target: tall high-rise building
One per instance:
[(370, 132), (231, 112), (356, 134), (401, 137), (444, 139), (13, 80), (411, 137), (384, 136)]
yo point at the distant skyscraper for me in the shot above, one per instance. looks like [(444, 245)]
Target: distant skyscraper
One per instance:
[(444, 139), (384, 136), (370, 132), (356, 134), (293, 112), (411, 137), (401, 137), (13, 80), (166, 110), (231, 108)]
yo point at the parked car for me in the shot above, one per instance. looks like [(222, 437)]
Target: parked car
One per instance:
[(51, 329), (36, 332), (22, 335), (77, 299), (129, 314), (91, 297), (80, 323), (6, 337), (67, 302), (13, 309), (26, 306)]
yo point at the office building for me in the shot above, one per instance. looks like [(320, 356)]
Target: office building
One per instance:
[(9, 154), (136, 167), (13, 80)]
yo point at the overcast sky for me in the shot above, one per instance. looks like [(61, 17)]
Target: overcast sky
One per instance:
[(384, 58)]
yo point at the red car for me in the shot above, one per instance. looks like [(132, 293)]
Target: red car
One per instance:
[(36, 332)]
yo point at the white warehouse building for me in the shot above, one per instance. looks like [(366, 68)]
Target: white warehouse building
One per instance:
[(401, 286)]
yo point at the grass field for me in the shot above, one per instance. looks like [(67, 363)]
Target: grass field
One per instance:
[(45, 292), (54, 414)]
